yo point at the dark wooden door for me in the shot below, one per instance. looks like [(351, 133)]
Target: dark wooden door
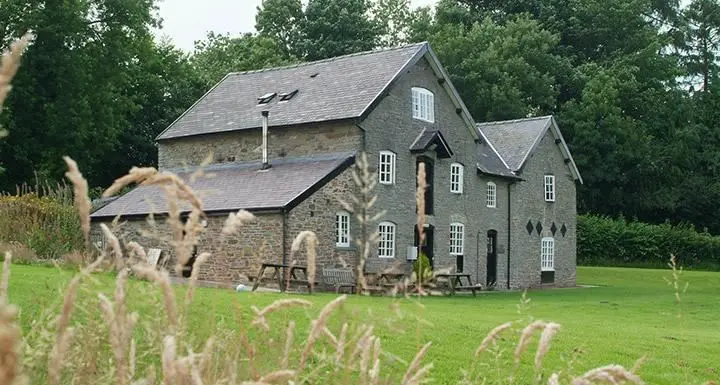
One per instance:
[(491, 257), (428, 243)]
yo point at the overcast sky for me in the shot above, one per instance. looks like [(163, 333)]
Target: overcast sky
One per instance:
[(185, 21)]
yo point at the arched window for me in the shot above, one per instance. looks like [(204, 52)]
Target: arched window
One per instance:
[(423, 104), (491, 196), (456, 178), (386, 244)]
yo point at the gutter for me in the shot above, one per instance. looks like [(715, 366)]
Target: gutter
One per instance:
[(285, 214)]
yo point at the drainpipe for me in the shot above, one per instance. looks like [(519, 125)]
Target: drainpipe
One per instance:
[(509, 227), (265, 163), (477, 262)]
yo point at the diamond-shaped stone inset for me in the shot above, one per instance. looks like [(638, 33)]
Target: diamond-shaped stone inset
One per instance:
[(553, 229), (529, 227), (538, 227), (563, 230)]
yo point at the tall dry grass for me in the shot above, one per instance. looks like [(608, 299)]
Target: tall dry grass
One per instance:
[(93, 339)]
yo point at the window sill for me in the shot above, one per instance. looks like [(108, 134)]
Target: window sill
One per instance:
[(346, 247), (381, 257), (491, 207), (543, 270), (424, 120)]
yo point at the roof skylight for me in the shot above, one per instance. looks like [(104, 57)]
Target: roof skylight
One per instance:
[(285, 96), (265, 99)]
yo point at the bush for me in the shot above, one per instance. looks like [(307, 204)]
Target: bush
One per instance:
[(421, 267), (607, 241), (47, 226)]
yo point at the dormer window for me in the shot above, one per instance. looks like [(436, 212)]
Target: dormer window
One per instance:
[(285, 96), (265, 99), (423, 104)]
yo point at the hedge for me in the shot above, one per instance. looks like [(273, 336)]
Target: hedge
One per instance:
[(603, 241)]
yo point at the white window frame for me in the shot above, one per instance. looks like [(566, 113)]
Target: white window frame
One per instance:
[(386, 239), (549, 188), (457, 239), (423, 104), (491, 195), (342, 229), (547, 254), (386, 167), (457, 182)]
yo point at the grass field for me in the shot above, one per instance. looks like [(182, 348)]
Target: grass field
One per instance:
[(631, 313)]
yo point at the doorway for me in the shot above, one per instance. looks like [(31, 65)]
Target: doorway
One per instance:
[(491, 278), (428, 243)]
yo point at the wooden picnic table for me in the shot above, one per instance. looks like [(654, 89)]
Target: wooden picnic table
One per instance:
[(390, 279), (455, 282), (279, 271)]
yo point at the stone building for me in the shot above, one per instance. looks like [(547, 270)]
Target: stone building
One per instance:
[(501, 198)]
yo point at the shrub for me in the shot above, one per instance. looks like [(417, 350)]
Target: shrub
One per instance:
[(421, 267), (48, 227), (606, 241)]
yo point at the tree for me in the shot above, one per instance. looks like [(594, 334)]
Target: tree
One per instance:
[(219, 55), (502, 71), (339, 27), (700, 42), (281, 20), (395, 16)]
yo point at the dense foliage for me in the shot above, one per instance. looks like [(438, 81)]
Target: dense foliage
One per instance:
[(632, 83), (604, 241)]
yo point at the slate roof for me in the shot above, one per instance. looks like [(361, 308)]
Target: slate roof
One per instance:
[(429, 137), (332, 89), (233, 186), (515, 139)]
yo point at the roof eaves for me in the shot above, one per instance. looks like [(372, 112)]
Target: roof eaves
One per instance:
[(536, 142), (159, 137), (451, 90), (422, 48), (482, 135), (292, 203), (564, 148)]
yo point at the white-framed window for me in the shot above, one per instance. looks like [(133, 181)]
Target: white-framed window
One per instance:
[(457, 239), (456, 178), (547, 254), (386, 167), (342, 229), (550, 188), (491, 195), (386, 244), (423, 104)]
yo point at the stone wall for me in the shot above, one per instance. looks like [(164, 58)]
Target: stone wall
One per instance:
[(233, 258), (529, 205), (246, 145), (317, 214), (390, 126)]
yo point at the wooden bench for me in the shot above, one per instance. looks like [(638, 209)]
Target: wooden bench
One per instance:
[(339, 278)]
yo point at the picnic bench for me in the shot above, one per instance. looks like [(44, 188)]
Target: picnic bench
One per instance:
[(339, 278), (285, 275), (455, 282)]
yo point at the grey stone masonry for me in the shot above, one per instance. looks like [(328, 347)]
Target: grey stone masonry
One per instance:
[(390, 126), (246, 145), (529, 207)]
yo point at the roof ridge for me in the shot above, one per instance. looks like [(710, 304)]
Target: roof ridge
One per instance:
[(498, 122), (327, 60)]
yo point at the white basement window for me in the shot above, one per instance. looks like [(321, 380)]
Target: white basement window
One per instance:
[(491, 196), (386, 167), (456, 178), (423, 104), (342, 229), (386, 244), (550, 188), (547, 254), (457, 238)]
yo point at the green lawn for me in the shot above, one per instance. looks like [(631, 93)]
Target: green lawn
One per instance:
[(631, 313)]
